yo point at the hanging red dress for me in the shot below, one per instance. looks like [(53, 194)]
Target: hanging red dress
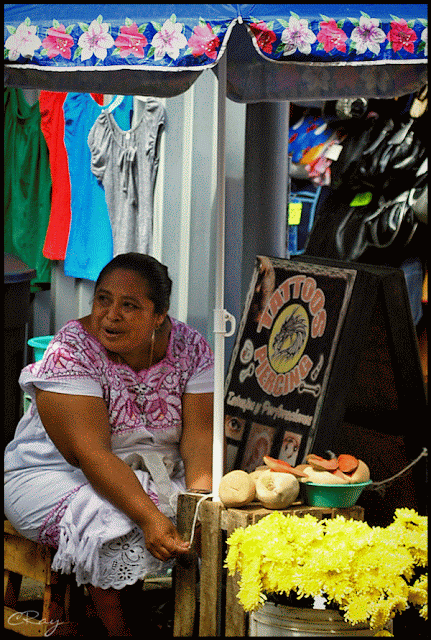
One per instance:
[(52, 125)]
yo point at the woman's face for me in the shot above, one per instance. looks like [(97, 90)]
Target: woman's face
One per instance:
[(123, 317)]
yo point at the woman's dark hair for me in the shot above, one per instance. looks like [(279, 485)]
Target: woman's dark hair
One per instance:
[(151, 270)]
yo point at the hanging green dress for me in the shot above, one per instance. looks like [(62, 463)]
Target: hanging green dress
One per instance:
[(27, 184)]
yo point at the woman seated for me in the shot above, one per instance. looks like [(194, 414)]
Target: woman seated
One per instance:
[(120, 423)]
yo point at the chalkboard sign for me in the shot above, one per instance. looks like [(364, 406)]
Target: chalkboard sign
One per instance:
[(282, 359), (321, 342)]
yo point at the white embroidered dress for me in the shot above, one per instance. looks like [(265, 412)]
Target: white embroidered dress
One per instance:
[(50, 501)]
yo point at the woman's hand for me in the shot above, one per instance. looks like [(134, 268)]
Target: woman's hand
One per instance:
[(162, 538)]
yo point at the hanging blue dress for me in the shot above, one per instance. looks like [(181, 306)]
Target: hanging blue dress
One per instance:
[(90, 245)]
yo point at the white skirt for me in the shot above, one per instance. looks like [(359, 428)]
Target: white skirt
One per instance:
[(95, 541)]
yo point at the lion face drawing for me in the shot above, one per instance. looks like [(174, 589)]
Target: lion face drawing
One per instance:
[(288, 338)]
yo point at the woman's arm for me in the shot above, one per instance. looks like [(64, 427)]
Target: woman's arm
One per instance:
[(79, 427), (197, 440)]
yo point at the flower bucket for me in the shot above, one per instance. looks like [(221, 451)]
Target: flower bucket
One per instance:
[(281, 620)]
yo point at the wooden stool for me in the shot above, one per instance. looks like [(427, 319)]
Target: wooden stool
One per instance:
[(24, 558)]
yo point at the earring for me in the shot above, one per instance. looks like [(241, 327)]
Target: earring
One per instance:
[(153, 339)]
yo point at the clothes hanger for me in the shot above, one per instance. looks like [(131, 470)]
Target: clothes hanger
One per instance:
[(114, 104)]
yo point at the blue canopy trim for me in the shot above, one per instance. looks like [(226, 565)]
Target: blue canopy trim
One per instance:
[(345, 40), (198, 43), (170, 46)]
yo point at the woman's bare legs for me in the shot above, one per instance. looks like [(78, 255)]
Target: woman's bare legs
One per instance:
[(107, 603)]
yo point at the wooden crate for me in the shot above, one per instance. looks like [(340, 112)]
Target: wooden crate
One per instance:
[(218, 604)]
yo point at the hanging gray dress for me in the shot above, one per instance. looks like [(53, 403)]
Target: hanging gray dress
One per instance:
[(126, 163)]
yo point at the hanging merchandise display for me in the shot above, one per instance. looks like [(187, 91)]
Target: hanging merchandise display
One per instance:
[(361, 133), (384, 224), (27, 184), (90, 179), (306, 137), (395, 162), (351, 108), (53, 126), (315, 142), (125, 163), (384, 150), (90, 239), (380, 174)]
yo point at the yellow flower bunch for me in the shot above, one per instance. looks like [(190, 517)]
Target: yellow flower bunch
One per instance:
[(367, 571)]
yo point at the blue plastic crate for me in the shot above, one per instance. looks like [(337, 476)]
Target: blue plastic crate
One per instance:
[(298, 233)]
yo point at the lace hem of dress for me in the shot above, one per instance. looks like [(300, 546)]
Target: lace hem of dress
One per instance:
[(123, 561)]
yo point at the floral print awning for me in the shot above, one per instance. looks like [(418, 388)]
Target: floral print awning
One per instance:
[(275, 52), (173, 42)]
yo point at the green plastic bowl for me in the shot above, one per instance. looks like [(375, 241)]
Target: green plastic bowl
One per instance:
[(333, 495), (39, 345)]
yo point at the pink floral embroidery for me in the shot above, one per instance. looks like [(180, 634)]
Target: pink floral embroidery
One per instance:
[(58, 42), (163, 409), (49, 532), (131, 41), (264, 36), (402, 37), (150, 399), (122, 413), (331, 36), (204, 41)]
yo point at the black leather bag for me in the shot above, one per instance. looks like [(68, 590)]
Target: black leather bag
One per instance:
[(394, 158), (380, 154), (392, 224), (387, 159)]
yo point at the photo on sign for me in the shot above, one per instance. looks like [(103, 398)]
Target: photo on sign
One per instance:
[(234, 427), (290, 447), (259, 444)]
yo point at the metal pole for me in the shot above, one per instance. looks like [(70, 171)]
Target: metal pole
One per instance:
[(266, 181), (220, 315)]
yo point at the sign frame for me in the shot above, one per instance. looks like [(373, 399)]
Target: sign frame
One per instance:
[(370, 342), (282, 359)]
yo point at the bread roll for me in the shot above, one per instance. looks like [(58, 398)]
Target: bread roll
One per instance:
[(257, 472), (237, 489), (276, 490)]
